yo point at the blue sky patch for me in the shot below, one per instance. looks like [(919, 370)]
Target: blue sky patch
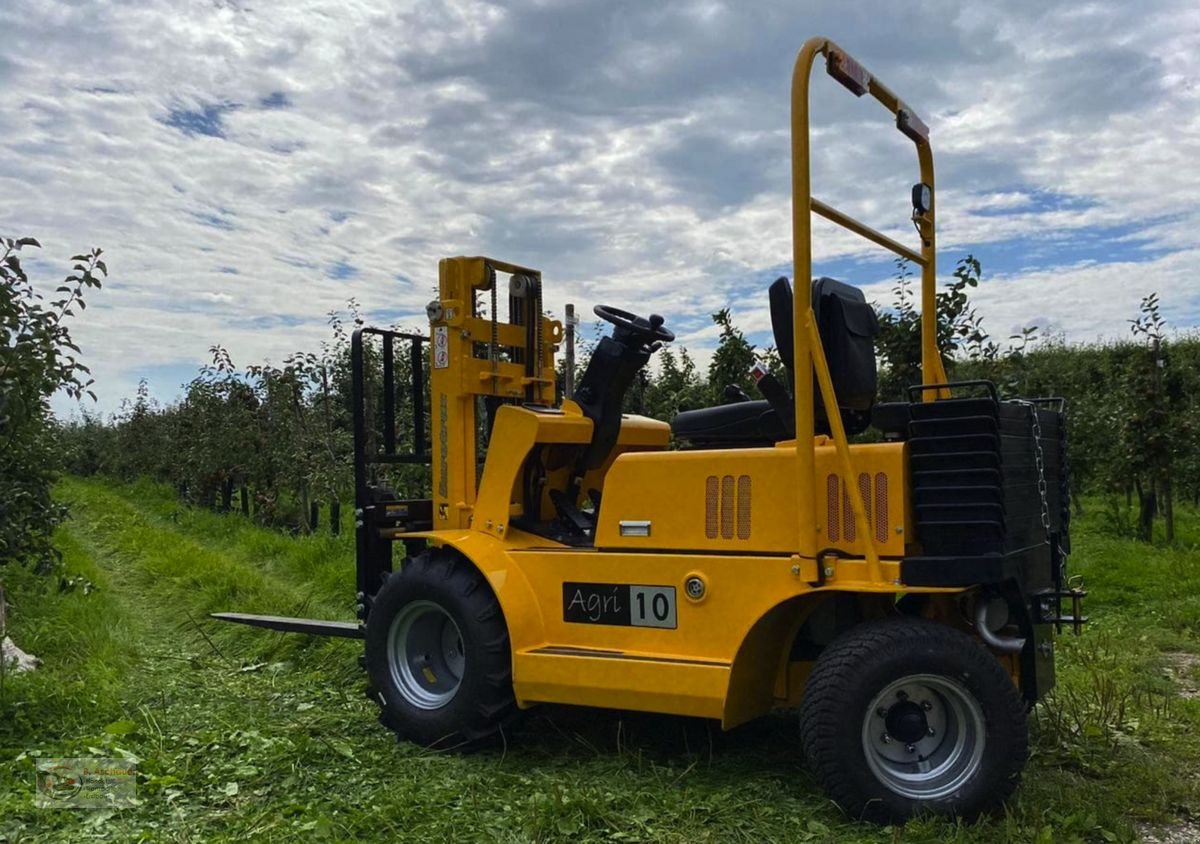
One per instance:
[(1065, 247), (1035, 201), (276, 99), (341, 270), (294, 261), (213, 220), (208, 120), (268, 322)]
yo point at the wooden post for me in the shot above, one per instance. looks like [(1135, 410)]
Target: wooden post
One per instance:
[(335, 517), (314, 515)]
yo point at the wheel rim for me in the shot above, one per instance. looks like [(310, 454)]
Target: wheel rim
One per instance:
[(923, 736), (425, 654)]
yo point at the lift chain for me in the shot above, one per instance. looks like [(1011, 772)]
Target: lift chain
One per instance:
[(495, 342), (536, 313)]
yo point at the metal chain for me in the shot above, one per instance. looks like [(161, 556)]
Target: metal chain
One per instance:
[(536, 284), (495, 332), (1040, 460)]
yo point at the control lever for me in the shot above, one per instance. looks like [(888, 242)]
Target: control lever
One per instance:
[(776, 395), (733, 394), (571, 516)]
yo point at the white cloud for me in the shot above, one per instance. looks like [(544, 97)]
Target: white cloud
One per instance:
[(637, 153)]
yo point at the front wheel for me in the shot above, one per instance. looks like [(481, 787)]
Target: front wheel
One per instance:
[(438, 654), (906, 715)]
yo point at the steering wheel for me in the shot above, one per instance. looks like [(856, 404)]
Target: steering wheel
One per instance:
[(651, 329)]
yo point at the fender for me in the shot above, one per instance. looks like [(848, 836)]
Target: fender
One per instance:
[(488, 554), (762, 675), (758, 677)]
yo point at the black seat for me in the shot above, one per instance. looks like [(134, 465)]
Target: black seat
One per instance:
[(848, 326), (744, 423)]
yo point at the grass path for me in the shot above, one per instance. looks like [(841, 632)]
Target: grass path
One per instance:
[(244, 735)]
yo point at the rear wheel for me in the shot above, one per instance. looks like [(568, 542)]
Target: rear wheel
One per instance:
[(438, 654), (907, 715)]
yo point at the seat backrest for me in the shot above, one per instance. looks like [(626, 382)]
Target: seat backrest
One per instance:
[(779, 294), (848, 327)]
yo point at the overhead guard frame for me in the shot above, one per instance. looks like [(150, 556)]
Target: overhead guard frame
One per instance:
[(809, 354)]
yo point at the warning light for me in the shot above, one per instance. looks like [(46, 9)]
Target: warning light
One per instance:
[(922, 198), (849, 72), (911, 125)]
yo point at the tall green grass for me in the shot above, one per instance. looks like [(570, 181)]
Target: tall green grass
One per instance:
[(243, 734)]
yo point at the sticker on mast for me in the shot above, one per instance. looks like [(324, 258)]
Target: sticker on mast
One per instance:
[(441, 347), (620, 604)]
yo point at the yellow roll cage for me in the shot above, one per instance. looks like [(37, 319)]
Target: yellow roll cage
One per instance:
[(809, 353)]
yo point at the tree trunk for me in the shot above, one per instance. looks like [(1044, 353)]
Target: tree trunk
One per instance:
[(1147, 504), (305, 524), (1168, 504), (335, 517)]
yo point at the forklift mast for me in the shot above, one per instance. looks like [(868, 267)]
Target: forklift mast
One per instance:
[(482, 360), (476, 363)]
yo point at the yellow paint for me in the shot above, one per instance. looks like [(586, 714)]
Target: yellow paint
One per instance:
[(770, 532)]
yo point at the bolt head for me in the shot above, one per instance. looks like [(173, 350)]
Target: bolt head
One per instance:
[(910, 748), (829, 571), (926, 705), (932, 731), (885, 738), (881, 712), (902, 695)]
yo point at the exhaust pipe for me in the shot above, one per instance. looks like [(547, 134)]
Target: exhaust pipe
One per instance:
[(1004, 644)]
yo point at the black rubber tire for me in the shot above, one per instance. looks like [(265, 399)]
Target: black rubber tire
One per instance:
[(859, 665), (484, 705)]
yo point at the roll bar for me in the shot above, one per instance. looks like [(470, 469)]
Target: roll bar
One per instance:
[(809, 354)]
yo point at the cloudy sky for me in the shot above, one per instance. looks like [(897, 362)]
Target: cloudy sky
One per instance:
[(249, 165)]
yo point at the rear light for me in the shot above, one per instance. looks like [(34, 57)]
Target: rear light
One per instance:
[(911, 125), (849, 72), (922, 198)]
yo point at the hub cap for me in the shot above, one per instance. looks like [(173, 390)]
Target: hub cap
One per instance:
[(425, 654), (924, 736)]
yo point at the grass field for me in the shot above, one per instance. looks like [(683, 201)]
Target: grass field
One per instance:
[(254, 736)]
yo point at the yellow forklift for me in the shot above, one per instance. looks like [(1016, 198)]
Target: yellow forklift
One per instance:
[(902, 593)]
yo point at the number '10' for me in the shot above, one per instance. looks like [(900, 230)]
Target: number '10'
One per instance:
[(658, 606)]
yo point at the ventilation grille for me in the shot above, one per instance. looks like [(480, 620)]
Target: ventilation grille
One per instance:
[(839, 521), (727, 507)]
